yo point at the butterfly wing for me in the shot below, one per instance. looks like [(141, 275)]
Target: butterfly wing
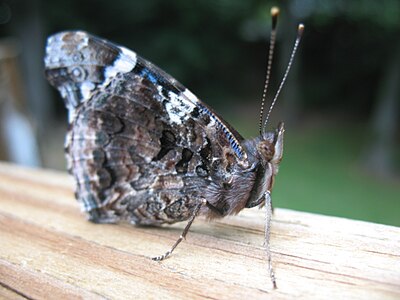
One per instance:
[(141, 146)]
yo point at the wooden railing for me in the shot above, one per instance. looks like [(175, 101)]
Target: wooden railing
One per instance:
[(49, 251)]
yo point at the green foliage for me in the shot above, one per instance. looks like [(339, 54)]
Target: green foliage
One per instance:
[(320, 173), (385, 13), (218, 48), (199, 42)]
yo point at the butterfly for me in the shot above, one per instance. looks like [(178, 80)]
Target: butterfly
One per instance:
[(144, 149)]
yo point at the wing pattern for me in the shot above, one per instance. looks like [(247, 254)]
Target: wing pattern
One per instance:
[(141, 146)]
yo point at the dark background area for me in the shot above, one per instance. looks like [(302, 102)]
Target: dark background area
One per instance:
[(340, 103)]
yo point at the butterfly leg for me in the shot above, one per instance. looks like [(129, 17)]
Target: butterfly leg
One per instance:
[(183, 235), (268, 216)]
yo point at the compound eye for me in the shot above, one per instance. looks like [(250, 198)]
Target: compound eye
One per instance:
[(266, 150)]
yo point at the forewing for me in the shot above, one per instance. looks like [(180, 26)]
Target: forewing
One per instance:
[(141, 146)]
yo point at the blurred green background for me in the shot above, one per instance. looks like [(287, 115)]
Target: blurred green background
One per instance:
[(340, 103)]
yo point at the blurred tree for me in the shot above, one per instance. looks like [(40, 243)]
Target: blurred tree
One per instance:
[(368, 35), (379, 156), (24, 23), (27, 25)]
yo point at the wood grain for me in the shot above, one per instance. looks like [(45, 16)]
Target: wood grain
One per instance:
[(48, 250)]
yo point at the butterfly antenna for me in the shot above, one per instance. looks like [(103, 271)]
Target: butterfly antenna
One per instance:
[(274, 14), (300, 31)]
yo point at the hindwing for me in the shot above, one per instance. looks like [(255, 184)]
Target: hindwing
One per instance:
[(141, 146)]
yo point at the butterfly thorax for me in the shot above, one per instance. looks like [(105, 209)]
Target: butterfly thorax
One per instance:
[(247, 187)]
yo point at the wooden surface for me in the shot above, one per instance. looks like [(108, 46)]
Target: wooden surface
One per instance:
[(48, 250)]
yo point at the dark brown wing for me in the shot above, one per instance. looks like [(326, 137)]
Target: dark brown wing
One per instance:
[(142, 147)]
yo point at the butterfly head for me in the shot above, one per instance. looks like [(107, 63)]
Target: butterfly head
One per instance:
[(270, 147), (269, 151)]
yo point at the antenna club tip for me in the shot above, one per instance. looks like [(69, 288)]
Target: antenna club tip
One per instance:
[(300, 29), (274, 11)]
